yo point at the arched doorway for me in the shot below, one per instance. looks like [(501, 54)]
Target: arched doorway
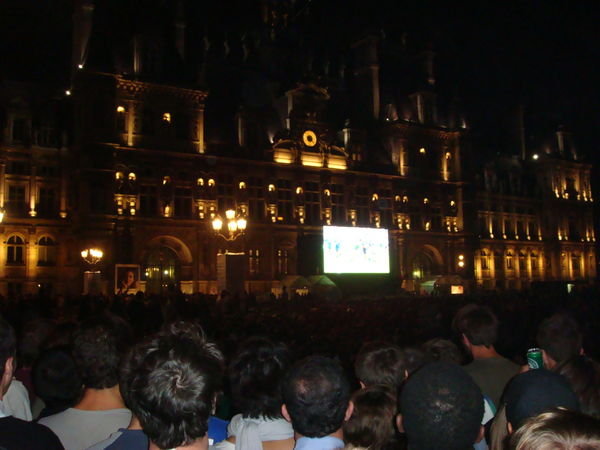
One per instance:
[(422, 266), (427, 262), (162, 270)]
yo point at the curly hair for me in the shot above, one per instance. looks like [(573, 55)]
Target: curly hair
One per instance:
[(173, 382), (98, 345), (255, 374)]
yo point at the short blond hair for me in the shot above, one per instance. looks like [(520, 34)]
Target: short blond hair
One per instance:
[(559, 429)]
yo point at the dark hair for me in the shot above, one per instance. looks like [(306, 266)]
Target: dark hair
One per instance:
[(55, 378), (531, 393), (33, 335), (372, 421), (478, 323), (173, 386), (443, 350), (441, 407), (98, 345), (255, 374), (583, 374), (559, 337), (380, 363), (316, 393), (8, 343)]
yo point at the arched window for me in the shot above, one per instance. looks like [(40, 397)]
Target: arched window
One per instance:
[(14, 250), (46, 251), (509, 261), (534, 263), (484, 260), (522, 262)]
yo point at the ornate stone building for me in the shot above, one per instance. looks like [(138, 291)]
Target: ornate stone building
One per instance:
[(170, 126)]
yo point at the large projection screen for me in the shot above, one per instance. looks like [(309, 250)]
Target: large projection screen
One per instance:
[(355, 250)]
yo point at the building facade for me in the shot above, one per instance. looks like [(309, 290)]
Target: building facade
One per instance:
[(162, 140)]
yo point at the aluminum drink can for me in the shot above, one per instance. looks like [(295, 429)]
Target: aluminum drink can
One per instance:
[(535, 359)]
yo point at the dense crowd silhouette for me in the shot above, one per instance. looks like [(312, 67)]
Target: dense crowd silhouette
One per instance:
[(380, 355)]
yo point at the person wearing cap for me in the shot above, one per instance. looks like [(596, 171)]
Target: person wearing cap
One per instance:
[(440, 407), (534, 392)]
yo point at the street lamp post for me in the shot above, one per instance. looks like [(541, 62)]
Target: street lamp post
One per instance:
[(92, 255), (231, 267), (236, 225), (92, 278)]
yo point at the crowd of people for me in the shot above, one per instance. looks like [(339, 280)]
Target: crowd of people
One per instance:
[(190, 372)]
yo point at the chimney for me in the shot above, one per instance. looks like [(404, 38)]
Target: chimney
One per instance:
[(180, 31), (366, 73), (565, 143)]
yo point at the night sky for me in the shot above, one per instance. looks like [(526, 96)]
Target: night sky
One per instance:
[(493, 55)]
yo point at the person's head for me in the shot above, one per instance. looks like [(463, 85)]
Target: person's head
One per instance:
[(316, 396), (255, 374), (443, 350), (98, 345), (130, 277), (477, 325), (172, 383), (380, 363), (535, 391), (372, 422), (559, 429), (559, 338), (34, 333), (441, 407), (583, 374), (55, 378), (8, 349)]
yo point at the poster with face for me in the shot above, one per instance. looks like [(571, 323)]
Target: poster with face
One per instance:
[(126, 278)]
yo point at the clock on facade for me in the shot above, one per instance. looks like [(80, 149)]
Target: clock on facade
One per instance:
[(309, 138)]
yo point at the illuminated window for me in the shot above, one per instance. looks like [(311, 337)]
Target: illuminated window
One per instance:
[(131, 176), (425, 201), (120, 109), (509, 261), (254, 261), (46, 251), (448, 155), (405, 199), (200, 181), (166, 117), (282, 262), (422, 150), (484, 261), (119, 175), (374, 198), (14, 250), (271, 188), (211, 182), (242, 185), (166, 180), (534, 262), (299, 190)]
